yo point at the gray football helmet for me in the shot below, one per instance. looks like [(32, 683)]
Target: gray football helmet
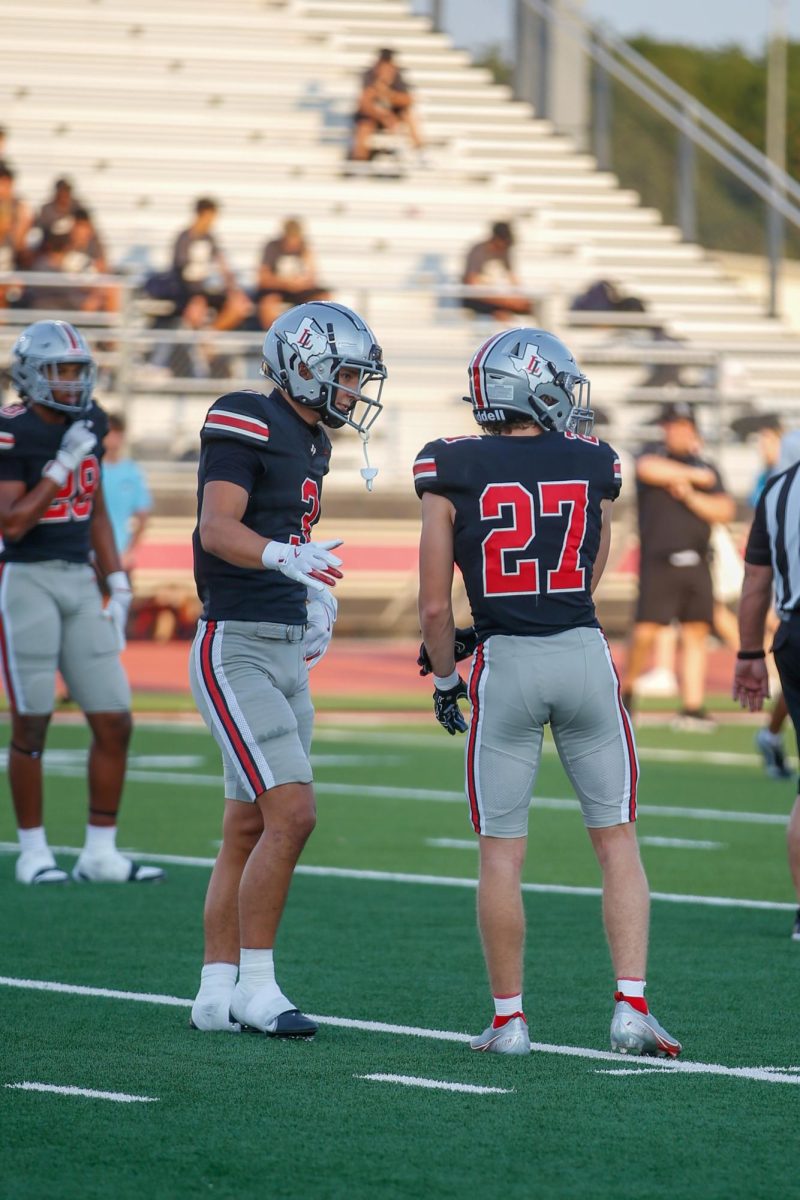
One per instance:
[(532, 372), (305, 350), (36, 358)]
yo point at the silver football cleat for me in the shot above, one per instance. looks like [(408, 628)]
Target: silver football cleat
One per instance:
[(633, 1032), (511, 1038)]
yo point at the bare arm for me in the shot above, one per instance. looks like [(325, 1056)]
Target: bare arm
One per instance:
[(605, 544), (20, 510), (221, 530), (138, 525), (661, 472), (103, 544), (750, 679), (713, 507), (436, 582)]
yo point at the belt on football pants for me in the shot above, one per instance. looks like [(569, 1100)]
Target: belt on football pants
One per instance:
[(280, 633)]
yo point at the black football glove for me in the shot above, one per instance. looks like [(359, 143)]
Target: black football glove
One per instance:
[(465, 643), (445, 707)]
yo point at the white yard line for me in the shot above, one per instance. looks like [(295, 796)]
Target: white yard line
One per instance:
[(555, 889), (452, 843), (680, 843), (440, 1085), (767, 1074), (90, 1093)]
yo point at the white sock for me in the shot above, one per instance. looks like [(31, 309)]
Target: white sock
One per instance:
[(631, 987), (100, 838), (506, 1006), (256, 970), (32, 839), (218, 977)]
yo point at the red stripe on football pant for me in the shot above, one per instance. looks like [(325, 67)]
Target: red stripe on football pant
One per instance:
[(629, 738), (12, 699), (221, 709), (472, 736)]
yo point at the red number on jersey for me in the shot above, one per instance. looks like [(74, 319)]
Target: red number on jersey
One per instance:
[(515, 504), (310, 494), (73, 501), (553, 499)]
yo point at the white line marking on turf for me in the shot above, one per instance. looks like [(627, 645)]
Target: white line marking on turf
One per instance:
[(452, 843), (628, 1071), (680, 843), (553, 889), (90, 1093), (762, 1074), (439, 1084)]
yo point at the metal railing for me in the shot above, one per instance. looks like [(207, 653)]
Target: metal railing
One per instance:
[(537, 22)]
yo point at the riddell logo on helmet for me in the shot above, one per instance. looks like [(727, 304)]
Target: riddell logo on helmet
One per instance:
[(489, 414)]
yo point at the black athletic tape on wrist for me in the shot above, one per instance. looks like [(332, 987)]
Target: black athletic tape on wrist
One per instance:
[(750, 655)]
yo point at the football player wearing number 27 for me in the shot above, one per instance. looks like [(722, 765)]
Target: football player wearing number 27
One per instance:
[(524, 511), (57, 539), (268, 615)]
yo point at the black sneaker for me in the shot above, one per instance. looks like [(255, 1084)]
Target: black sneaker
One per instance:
[(771, 747), (796, 927)]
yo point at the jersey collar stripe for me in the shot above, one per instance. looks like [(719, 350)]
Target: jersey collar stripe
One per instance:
[(220, 707), (477, 374), (478, 670), (6, 667), (253, 429)]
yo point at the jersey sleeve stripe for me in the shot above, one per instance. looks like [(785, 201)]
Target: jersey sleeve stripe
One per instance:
[(425, 468), (248, 426), (7, 441)]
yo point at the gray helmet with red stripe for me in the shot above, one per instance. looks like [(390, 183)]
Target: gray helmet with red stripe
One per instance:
[(532, 372), (36, 360), (306, 349)]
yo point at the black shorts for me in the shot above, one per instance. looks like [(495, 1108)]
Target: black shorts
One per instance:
[(786, 648), (668, 593)]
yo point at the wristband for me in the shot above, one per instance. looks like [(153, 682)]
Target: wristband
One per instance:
[(118, 581), (750, 655), (57, 472), (445, 682)]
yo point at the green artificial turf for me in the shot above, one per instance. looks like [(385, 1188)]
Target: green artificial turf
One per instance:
[(241, 1116)]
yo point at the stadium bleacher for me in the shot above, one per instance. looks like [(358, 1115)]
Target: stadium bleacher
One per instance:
[(251, 102)]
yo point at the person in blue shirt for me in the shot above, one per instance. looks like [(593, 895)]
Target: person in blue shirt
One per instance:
[(128, 498)]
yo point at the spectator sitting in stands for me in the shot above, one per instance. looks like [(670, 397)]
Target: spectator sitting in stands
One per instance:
[(202, 274), (49, 259), (287, 274), (85, 255), (57, 215), (15, 223), (385, 104), (488, 264)]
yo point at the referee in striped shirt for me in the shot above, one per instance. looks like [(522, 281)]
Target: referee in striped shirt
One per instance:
[(772, 561)]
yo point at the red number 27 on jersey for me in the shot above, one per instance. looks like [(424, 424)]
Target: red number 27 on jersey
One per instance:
[(565, 498)]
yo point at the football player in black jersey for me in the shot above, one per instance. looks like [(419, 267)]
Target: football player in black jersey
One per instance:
[(267, 615), (525, 514), (54, 525)]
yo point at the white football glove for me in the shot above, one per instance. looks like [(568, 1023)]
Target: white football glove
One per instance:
[(77, 442), (322, 610), (117, 608), (311, 563)]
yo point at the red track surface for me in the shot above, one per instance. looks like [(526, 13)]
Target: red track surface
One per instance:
[(351, 667)]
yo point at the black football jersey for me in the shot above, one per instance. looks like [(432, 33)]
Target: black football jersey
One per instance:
[(27, 444), (527, 524), (260, 443)]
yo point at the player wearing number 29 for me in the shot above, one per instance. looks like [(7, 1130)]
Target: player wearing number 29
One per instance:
[(267, 616), (524, 511), (54, 524)]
